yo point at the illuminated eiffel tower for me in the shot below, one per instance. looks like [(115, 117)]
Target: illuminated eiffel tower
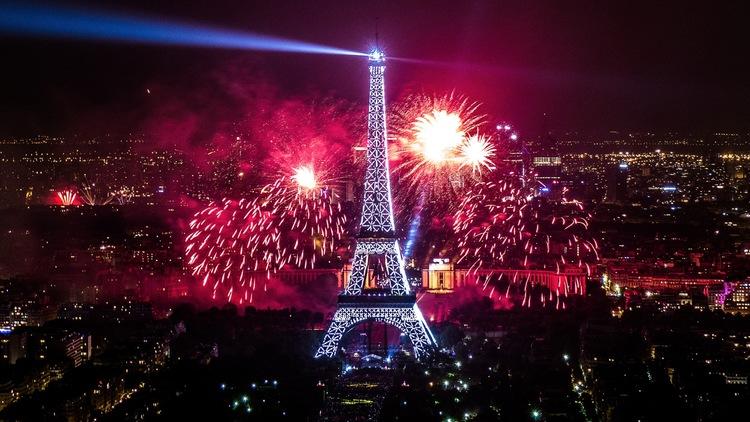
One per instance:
[(392, 302)]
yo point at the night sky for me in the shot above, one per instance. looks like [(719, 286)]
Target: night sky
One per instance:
[(590, 66)]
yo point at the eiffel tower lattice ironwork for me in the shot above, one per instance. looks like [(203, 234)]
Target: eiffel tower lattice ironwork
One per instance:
[(393, 303)]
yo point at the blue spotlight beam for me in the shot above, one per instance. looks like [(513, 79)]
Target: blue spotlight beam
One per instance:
[(414, 226), (68, 23)]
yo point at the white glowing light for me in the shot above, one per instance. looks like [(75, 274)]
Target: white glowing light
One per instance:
[(476, 151), (437, 134), (305, 177)]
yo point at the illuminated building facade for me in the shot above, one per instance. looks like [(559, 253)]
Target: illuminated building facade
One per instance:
[(738, 301)]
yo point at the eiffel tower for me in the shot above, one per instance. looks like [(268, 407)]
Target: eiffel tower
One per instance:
[(392, 302)]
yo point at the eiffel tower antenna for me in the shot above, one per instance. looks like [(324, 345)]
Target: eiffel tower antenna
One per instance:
[(392, 301)]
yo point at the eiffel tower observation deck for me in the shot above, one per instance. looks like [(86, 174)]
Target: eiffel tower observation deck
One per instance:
[(377, 252)]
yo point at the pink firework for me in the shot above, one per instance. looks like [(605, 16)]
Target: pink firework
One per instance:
[(437, 147), (234, 246), (306, 210), (438, 151), (506, 224), (231, 247)]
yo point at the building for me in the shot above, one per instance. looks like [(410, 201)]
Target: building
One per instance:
[(517, 157), (738, 301), (57, 345), (617, 184), (717, 295), (548, 169), (118, 312), (12, 346), (22, 313), (36, 379), (439, 277), (677, 282), (547, 166)]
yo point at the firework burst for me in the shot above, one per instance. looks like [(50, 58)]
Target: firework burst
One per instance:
[(286, 159), (508, 223), (433, 148), (230, 245), (477, 152), (67, 197), (91, 194), (505, 223), (438, 152), (306, 210), (235, 246), (124, 195)]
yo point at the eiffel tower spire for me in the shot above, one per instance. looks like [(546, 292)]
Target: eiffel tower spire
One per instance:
[(394, 303), (377, 205)]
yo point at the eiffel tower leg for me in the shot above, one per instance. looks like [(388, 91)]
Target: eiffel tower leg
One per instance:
[(395, 270), (358, 274), (336, 330), (412, 324), (385, 339)]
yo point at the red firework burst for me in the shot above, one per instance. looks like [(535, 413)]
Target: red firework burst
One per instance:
[(233, 246), (437, 146), (507, 224), (306, 210)]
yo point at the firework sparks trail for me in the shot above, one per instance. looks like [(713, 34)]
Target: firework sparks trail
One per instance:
[(67, 197), (307, 212), (233, 246), (90, 194), (504, 223), (433, 146), (229, 244)]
